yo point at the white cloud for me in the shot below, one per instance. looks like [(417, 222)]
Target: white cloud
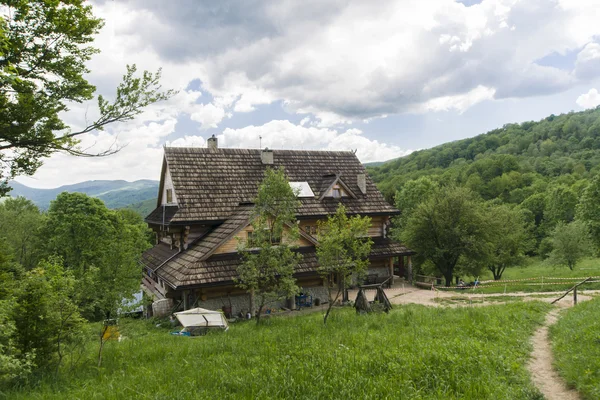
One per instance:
[(188, 141), (208, 115), (140, 158), (590, 99), (282, 134), (588, 61), (460, 102)]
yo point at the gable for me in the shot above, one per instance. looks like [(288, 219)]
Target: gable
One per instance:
[(168, 195), (232, 244)]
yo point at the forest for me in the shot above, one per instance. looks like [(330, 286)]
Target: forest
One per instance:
[(537, 180), (73, 264)]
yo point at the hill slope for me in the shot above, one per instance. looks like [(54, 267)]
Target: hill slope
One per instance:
[(115, 194), (564, 147)]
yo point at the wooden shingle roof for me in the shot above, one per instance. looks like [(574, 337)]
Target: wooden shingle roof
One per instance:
[(211, 183), (185, 270)]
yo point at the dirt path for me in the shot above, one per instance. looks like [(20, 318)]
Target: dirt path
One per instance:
[(411, 295), (543, 374)]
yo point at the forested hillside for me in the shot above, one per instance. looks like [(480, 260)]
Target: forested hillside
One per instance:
[(504, 162), (542, 168), (115, 194)]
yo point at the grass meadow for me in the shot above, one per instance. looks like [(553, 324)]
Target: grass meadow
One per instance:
[(536, 268), (415, 352), (576, 347)]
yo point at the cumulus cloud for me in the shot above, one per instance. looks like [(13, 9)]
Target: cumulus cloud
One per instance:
[(590, 99), (347, 60), (208, 115), (139, 158), (282, 134)]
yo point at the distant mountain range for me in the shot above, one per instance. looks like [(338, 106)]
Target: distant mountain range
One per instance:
[(138, 195)]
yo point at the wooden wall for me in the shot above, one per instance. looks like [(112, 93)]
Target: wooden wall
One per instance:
[(232, 244)]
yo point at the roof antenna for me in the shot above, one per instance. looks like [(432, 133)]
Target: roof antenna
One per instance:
[(259, 142)]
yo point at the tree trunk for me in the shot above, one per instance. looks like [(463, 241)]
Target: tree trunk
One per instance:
[(330, 305), (260, 308), (448, 278)]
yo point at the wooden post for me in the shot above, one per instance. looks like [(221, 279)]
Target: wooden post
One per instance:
[(409, 270), (575, 296), (185, 300), (392, 271)]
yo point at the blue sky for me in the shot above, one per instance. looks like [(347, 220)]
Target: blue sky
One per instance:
[(384, 78)]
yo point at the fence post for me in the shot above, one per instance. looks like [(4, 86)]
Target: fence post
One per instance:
[(575, 297)]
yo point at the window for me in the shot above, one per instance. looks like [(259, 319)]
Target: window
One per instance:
[(311, 230), (336, 193), (250, 241), (169, 195)]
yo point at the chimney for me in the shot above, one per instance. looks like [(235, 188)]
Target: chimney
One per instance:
[(361, 181), (212, 143), (266, 156)]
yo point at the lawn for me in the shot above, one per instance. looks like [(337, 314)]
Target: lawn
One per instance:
[(576, 346), (536, 268), (415, 352)]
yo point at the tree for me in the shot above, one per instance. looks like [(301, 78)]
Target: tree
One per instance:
[(269, 256), (561, 203), (100, 246), (413, 193), (20, 221), (509, 239), (46, 314), (343, 252), (448, 227), (43, 51), (570, 244), (588, 209)]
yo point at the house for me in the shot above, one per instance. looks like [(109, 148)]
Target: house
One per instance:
[(204, 208)]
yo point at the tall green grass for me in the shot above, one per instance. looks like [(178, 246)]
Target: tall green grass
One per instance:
[(415, 352), (576, 346)]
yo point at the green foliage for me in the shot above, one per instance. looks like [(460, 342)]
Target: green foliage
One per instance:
[(13, 364), (541, 166), (410, 196), (588, 210), (509, 239), (45, 314), (44, 47), (20, 221), (448, 228), (270, 259), (576, 348), (342, 252), (100, 246), (570, 244), (430, 353)]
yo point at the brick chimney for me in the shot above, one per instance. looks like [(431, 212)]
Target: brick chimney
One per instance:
[(361, 181), (266, 156), (212, 143)]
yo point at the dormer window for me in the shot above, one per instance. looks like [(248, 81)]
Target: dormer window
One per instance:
[(169, 196), (302, 189), (336, 193)]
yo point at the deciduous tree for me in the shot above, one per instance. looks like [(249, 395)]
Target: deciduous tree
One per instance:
[(342, 252), (588, 210), (269, 256), (448, 227), (44, 47), (570, 244), (509, 238)]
